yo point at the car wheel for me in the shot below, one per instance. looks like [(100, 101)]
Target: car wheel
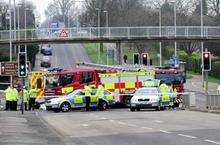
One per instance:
[(138, 109), (103, 105), (65, 107), (158, 108), (132, 109)]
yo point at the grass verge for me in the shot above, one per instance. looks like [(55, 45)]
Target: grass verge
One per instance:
[(92, 51)]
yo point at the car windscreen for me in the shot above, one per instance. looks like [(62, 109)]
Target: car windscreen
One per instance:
[(149, 91)]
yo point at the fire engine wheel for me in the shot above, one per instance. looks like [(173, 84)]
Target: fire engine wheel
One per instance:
[(65, 107), (103, 105), (132, 109)]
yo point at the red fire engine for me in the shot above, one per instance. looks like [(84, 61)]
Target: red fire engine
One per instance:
[(65, 81)]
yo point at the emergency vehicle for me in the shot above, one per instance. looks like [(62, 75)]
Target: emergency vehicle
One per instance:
[(124, 84), (128, 78), (76, 100), (66, 81)]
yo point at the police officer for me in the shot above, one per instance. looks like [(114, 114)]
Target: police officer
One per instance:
[(218, 90), (164, 90), (87, 90), (100, 91), (25, 98), (33, 94), (8, 98), (14, 99), (100, 94), (149, 83)]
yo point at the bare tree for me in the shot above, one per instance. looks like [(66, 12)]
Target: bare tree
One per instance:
[(60, 8)]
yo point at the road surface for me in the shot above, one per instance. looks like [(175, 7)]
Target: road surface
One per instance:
[(27, 129), (65, 56), (136, 128)]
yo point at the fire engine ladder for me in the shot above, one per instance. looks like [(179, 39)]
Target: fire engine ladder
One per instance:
[(125, 67)]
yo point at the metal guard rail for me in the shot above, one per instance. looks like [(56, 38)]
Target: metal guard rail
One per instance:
[(111, 32)]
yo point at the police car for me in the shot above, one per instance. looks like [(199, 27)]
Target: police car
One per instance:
[(76, 100), (146, 97)]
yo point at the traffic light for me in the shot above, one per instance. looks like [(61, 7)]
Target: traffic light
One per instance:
[(136, 58), (22, 65), (206, 61), (144, 58)]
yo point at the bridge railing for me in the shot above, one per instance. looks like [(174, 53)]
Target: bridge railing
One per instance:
[(110, 32)]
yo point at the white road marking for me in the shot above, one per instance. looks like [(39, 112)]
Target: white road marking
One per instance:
[(189, 136), (146, 128), (85, 125), (164, 131), (132, 125), (119, 122), (211, 141), (103, 118), (112, 120), (158, 121)]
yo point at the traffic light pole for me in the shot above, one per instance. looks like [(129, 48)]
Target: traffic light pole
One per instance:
[(207, 82), (22, 97)]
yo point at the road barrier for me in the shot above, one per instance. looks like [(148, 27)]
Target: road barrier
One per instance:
[(189, 100), (213, 102)]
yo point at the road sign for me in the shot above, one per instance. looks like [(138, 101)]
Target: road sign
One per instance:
[(63, 33), (54, 25), (8, 68)]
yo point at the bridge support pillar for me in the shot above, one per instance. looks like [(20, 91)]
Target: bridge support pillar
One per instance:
[(119, 53)]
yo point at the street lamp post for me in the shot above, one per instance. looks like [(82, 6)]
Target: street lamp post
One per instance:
[(25, 26), (14, 9), (99, 10), (202, 44), (18, 16), (175, 28), (106, 18), (160, 23), (10, 33)]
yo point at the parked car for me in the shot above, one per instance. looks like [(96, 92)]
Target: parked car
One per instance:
[(47, 51), (45, 62), (146, 97), (76, 100)]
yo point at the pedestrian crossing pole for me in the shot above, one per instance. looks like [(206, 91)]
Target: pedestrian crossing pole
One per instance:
[(22, 98)]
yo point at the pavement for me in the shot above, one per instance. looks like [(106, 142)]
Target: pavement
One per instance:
[(120, 126), (195, 84), (27, 129)]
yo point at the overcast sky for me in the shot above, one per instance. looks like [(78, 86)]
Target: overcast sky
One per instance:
[(41, 5)]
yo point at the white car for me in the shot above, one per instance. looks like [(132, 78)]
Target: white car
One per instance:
[(146, 97)]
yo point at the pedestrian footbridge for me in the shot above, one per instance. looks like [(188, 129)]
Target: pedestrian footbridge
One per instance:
[(110, 34)]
